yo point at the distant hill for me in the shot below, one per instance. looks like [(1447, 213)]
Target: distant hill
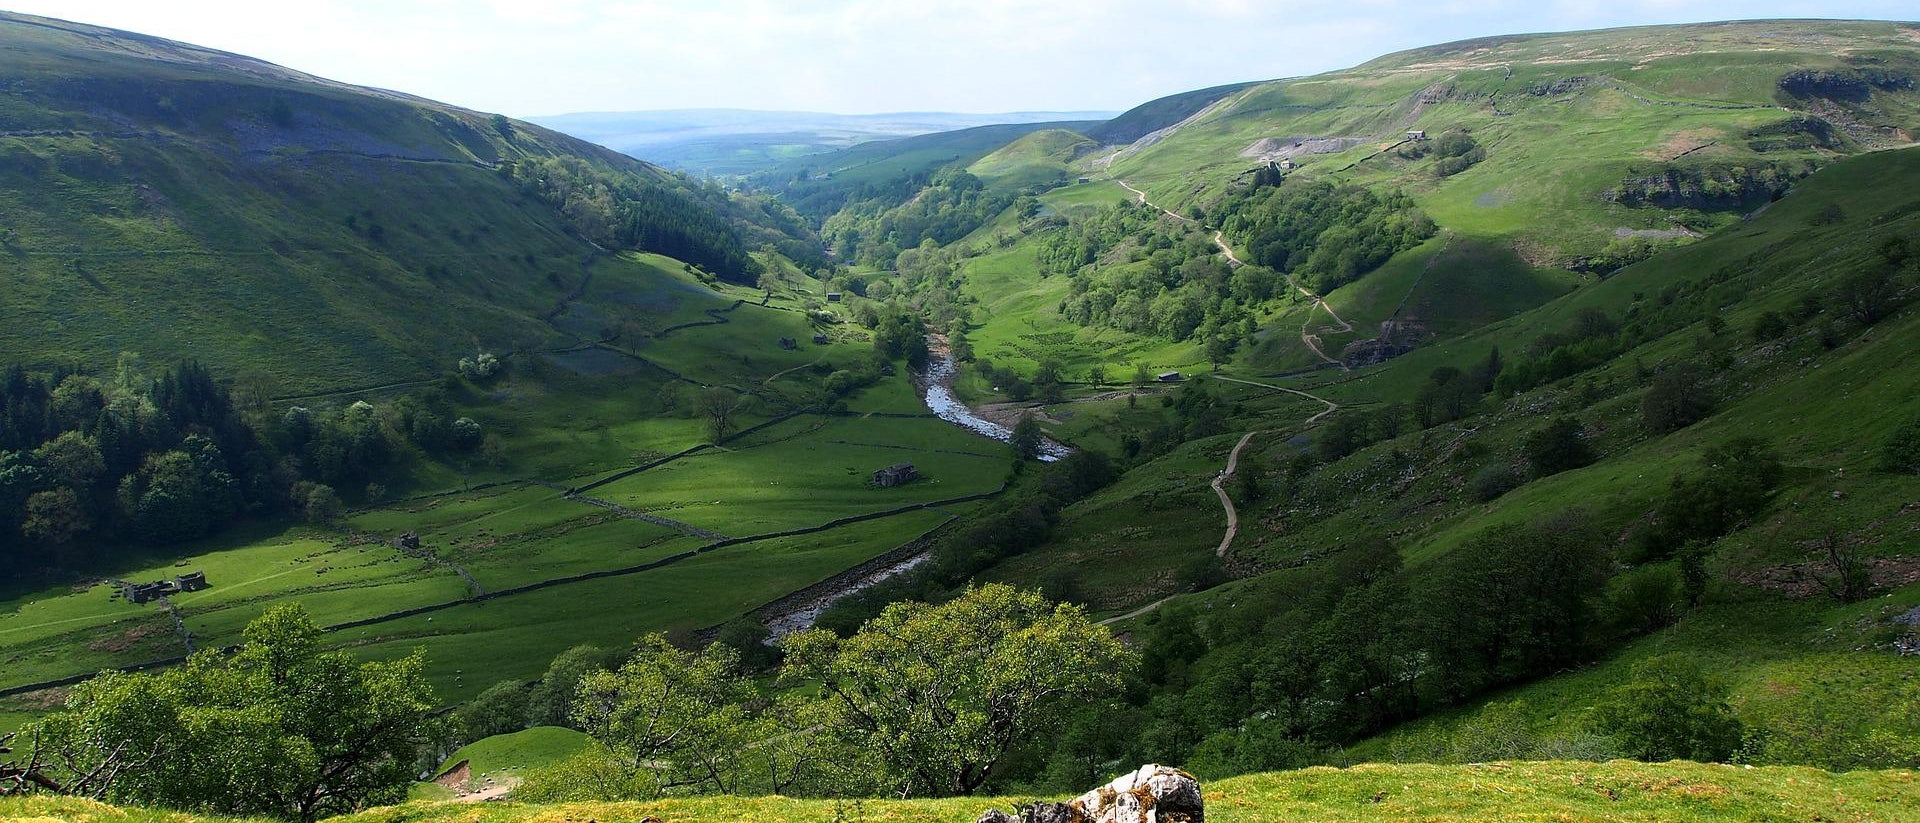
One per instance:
[(178, 202), (729, 142), (821, 185), (1155, 115)]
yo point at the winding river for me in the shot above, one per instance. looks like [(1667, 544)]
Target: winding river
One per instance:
[(937, 391)]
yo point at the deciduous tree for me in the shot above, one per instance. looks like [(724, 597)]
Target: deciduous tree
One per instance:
[(278, 728), (942, 694)]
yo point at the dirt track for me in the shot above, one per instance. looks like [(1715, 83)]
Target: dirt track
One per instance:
[(1308, 335)]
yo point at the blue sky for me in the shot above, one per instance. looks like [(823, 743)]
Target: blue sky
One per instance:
[(856, 56)]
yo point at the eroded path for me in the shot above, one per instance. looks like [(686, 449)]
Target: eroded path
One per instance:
[(1233, 459)]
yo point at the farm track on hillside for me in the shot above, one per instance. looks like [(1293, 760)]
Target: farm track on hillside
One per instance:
[(1311, 340)]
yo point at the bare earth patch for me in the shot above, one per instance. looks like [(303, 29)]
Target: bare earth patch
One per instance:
[(460, 781), (1803, 579)]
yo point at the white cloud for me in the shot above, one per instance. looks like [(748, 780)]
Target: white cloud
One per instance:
[(854, 55)]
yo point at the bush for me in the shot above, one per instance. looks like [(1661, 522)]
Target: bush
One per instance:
[(1644, 599), (482, 366), (1560, 446), (1901, 451), (1670, 710), (1491, 482), (1677, 399), (1768, 326), (1259, 745)]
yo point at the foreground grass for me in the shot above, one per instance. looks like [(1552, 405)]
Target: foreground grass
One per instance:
[(1559, 791)]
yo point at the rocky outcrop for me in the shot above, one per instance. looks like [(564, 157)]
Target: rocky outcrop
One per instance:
[(1153, 794)]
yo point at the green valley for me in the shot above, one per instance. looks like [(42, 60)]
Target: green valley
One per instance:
[(1520, 427)]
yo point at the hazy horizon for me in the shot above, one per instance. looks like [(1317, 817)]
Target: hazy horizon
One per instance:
[(857, 57)]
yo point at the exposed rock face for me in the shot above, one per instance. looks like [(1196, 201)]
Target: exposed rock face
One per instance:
[(1153, 794)]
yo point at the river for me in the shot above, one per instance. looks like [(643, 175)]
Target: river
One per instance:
[(937, 392), (936, 389)]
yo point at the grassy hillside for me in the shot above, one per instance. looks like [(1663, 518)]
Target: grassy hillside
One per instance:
[(1567, 123), (1569, 792), (1815, 675), (1042, 160), (175, 202)]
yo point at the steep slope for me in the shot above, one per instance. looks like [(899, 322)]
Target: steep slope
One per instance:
[(1577, 149), (173, 201), (1793, 586)]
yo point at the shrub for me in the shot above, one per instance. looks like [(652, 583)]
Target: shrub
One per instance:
[(1670, 710), (1768, 326), (1560, 446), (1677, 399), (1644, 599), (1493, 481), (1901, 451)]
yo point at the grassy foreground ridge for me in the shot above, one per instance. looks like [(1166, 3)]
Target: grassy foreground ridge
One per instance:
[(1560, 791)]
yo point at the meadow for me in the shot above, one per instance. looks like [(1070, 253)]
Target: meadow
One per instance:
[(511, 568)]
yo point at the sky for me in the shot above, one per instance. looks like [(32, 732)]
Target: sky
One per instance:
[(543, 57)]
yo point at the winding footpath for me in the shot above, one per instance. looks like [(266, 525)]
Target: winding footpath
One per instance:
[(1233, 459), (1312, 341), (1308, 335)]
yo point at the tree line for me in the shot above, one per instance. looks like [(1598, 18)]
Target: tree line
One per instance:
[(92, 466), (624, 211)]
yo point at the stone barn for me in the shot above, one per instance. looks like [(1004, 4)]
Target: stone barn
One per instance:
[(895, 475)]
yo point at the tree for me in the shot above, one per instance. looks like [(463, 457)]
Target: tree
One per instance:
[(1677, 399), (1027, 439), (319, 503), (1511, 603), (1670, 710), (501, 709), (1734, 482), (550, 701), (54, 516), (1219, 350), (1867, 296), (942, 694), (719, 406), (1448, 395), (279, 728), (674, 717), (1557, 447)]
